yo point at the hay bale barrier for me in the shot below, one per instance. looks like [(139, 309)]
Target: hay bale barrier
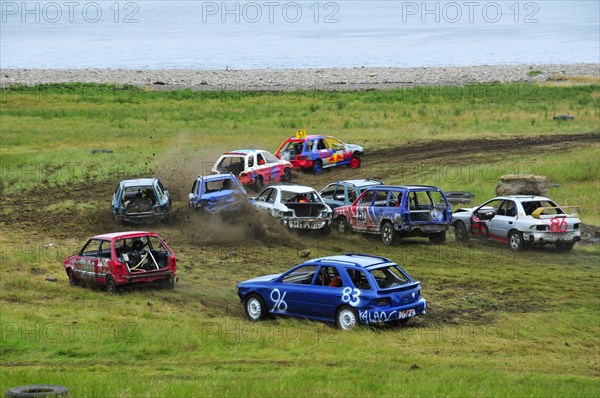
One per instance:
[(515, 184)]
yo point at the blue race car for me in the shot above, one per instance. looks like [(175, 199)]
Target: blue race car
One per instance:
[(218, 193), (347, 289)]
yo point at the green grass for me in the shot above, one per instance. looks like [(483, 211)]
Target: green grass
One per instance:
[(139, 126), (499, 323)]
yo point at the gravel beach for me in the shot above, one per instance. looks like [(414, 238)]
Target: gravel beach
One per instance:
[(337, 79)]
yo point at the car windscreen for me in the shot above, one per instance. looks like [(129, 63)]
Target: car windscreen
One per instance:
[(388, 277), (218, 185)]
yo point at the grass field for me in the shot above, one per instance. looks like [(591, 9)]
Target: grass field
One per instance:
[(500, 323)]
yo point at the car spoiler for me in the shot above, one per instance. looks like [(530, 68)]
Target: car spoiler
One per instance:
[(406, 286), (537, 213)]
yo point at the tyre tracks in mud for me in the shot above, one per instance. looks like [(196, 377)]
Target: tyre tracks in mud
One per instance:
[(28, 211)]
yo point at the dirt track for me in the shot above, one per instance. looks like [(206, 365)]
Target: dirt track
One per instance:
[(29, 212)]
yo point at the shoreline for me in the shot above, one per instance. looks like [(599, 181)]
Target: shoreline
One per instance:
[(329, 79)]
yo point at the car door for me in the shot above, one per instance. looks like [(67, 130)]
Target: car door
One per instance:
[(378, 211), (359, 216), (86, 264), (288, 294), (503, 221), (337, 148), (321, 149), (323, 298), (265, 200), (480, 225)]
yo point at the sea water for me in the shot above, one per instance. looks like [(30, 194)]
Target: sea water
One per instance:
[(295, 34)]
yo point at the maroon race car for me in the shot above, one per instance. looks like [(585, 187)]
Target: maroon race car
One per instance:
[(123, 258)]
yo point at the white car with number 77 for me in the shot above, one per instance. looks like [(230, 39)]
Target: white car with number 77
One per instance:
[(519, 220), (298, 207)]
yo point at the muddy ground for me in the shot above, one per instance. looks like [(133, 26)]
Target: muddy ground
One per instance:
[(29, 212)]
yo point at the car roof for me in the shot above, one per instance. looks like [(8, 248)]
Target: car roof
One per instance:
[(309, 137), (367, 261), (243, 152), (522, 198), (216, 177), (139, 182), (406, 187), (127, 234), (295, 188), (367, 182)]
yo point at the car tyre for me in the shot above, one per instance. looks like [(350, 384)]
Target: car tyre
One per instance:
[(438, 237), (564, 246), (72, 280), (255, 307), (460, 232), (287, 175), (167, 284), (341, 225), (354, 162), (346, 318), (317, 167), (111, 285), (388, 235), (258, 184), (38, 390), (515, 240)]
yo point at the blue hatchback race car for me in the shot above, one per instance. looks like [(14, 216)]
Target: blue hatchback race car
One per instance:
[(347, 289), (217, 193)]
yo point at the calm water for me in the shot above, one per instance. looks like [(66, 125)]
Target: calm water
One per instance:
[(282, 34)]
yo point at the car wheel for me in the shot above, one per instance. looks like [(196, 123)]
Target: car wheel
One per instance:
[(460, 232), (111, 286), (438, 237), (346, 318), (72, 280), (317, 166), (255, 308), (341, 225), (515, 240), (354, 162), (564, 246), (287, 175), (388, 235), (168, 284), (258, 184)]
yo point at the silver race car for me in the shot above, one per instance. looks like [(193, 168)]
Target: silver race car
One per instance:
[(519, 221)]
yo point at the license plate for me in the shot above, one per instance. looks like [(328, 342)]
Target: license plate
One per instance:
[(407, 313), (304, 225)]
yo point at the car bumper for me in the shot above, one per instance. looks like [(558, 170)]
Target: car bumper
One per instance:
[(426, 228), (140, 218), (295, 223), (551, 237), (390, 314)]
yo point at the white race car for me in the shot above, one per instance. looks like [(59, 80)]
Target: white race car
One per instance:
[(298, 207), (519, 220)]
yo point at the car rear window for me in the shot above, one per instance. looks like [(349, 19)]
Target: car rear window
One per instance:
[(389, 277)]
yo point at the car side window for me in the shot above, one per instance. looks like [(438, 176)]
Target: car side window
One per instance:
[(195, 187), (508, 209), (395, 199), (301, 276), (321, 145), (328, 276), (359, 279), (366, 199), (381, 199), (251, 161), (91, 248), (329, 192), (272, 196), (265, 195), (105, 249), (260, 160)]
